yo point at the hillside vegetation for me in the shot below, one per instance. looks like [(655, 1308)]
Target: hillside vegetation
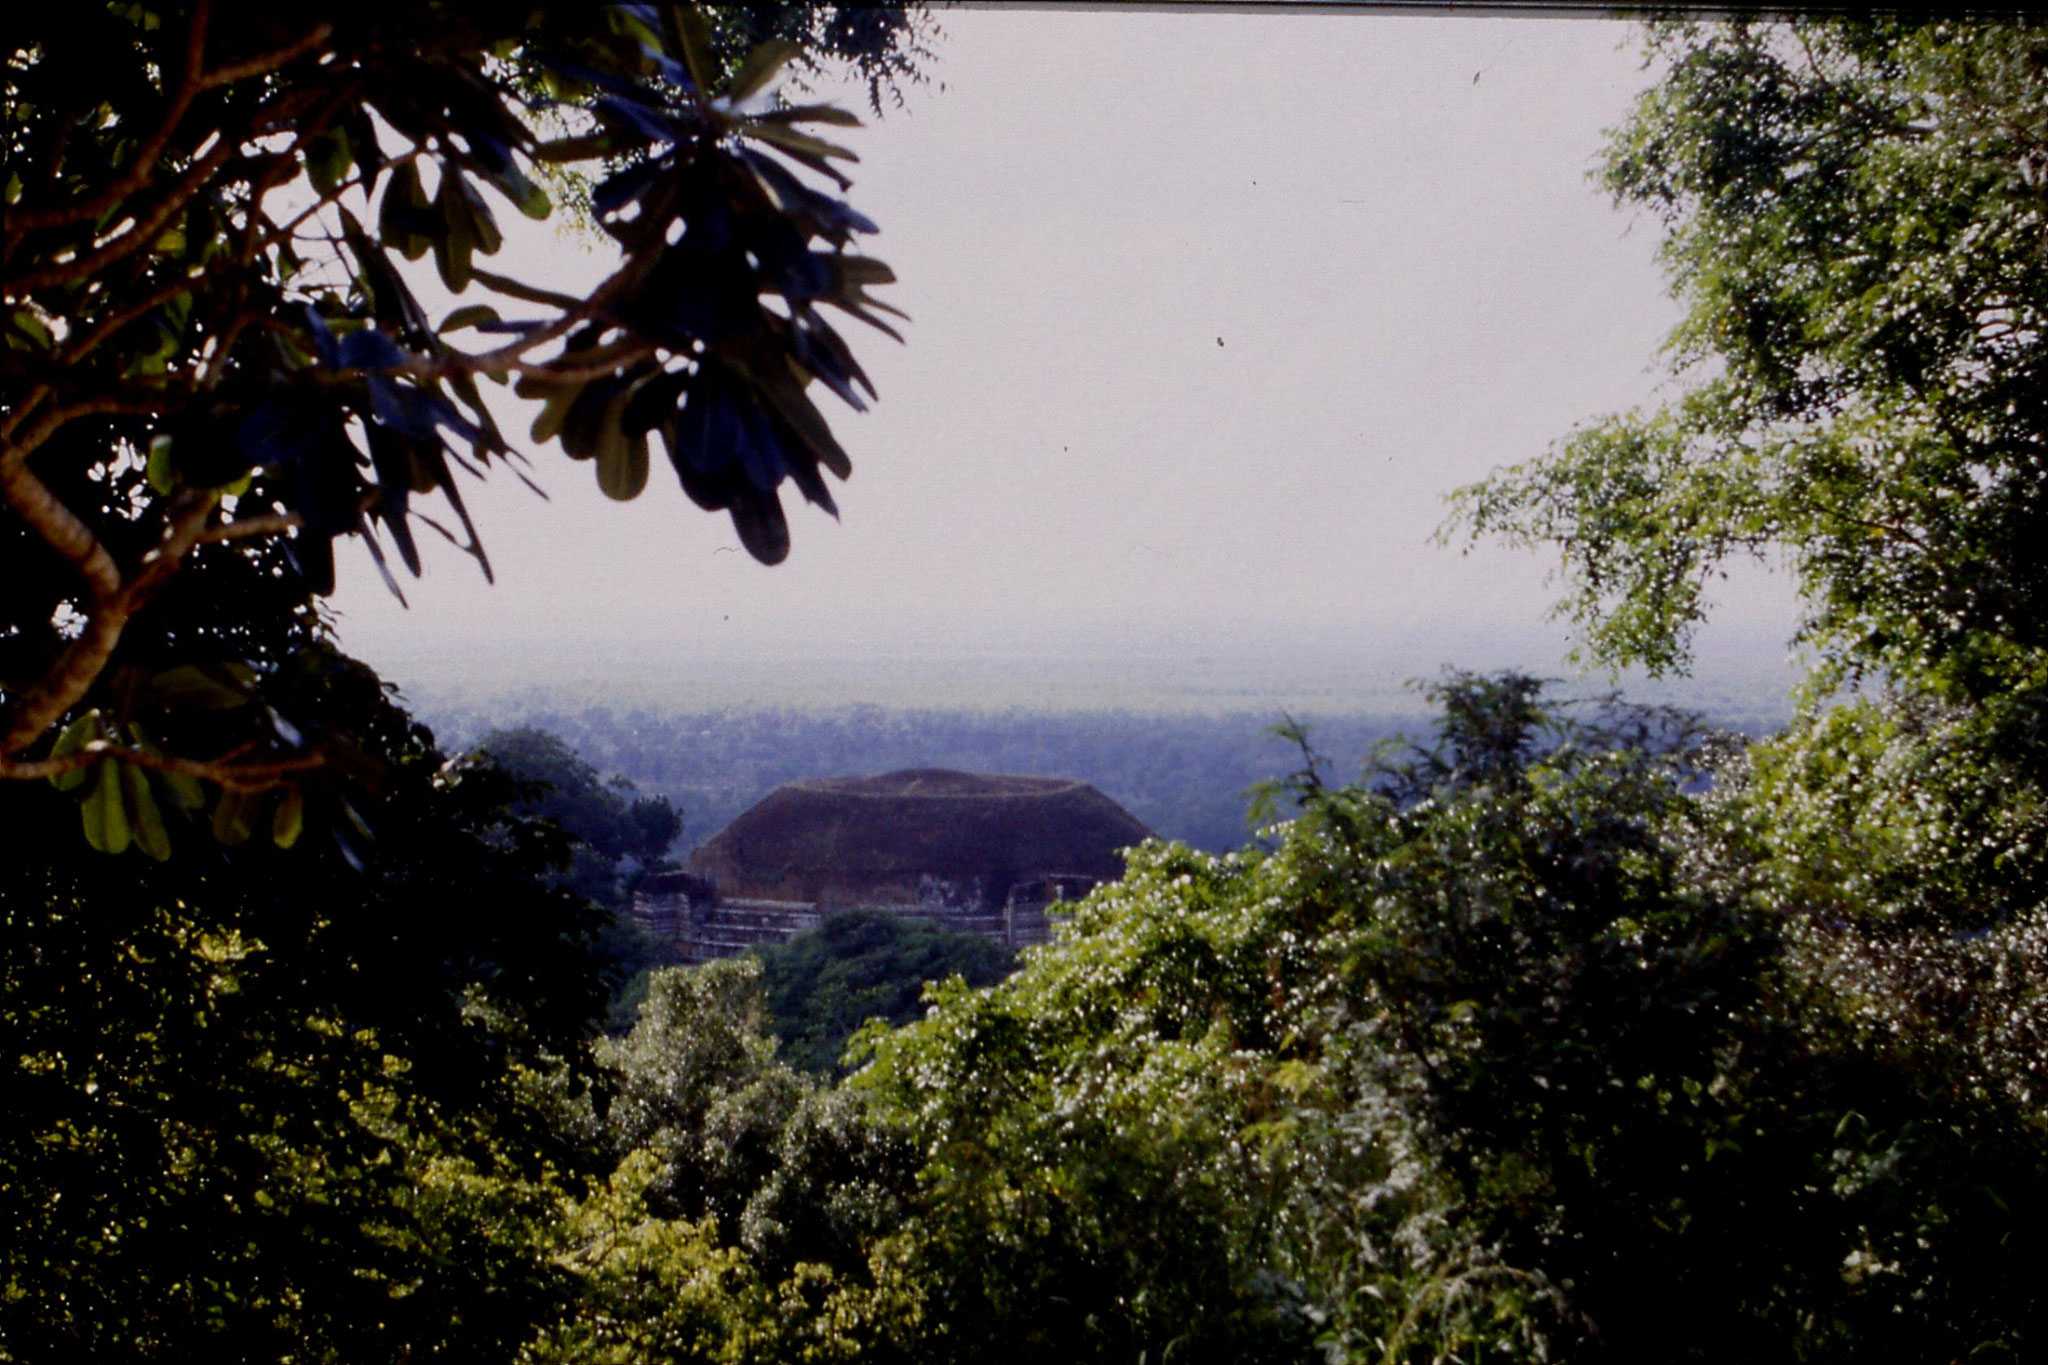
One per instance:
[(1569, 1030)]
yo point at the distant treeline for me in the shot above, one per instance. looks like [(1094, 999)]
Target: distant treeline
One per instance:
[(1185, 776)]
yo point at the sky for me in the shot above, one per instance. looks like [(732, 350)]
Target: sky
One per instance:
[(1209, 312)]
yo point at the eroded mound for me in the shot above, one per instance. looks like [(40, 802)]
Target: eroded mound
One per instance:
[(918, 835)]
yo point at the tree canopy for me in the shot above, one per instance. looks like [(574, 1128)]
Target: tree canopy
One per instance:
[(1853, 216), (823, 984), (606, 815), (214, 363)]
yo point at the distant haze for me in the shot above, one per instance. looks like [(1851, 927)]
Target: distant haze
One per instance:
[(1210, 311)]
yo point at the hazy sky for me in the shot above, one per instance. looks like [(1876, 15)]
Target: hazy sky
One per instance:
[(1209, 311)]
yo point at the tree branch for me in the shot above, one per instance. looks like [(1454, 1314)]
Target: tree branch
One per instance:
[(111, 600), (115, 321), (141, 166), (229, 772), (362, 182), (263, 63), (247, 528), (145, 230), (16, 450), (60, 528), (512, 355)]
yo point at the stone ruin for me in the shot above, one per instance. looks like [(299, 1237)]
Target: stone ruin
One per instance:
[(978, 853)]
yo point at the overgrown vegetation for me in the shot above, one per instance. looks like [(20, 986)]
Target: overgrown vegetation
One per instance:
[(1575, 1033), (859, 965)]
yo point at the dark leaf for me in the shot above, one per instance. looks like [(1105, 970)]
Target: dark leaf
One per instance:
[(757, 516)]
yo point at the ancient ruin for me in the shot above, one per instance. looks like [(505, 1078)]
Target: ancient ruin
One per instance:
[(975, 852)]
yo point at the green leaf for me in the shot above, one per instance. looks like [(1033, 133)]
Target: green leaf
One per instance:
[(405, 200), (161, 478), (813, 113), (632, 25), (790, 140), (106, 823), (191, 688), (694, 29), (327, 160), (76, 736), (796, 409), (231, 817), (556, 400), (469, 315), (25, 321), (458, 239), (289, 820), (862, 270), (146, 820), (622, 464), (587, 147), (185, 790), (761, 66), (512, 182), (483, 222)]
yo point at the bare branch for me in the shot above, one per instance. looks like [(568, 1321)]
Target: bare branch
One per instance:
[(115, 321), (25, 409), (60, 528), (248, 528), (359, 182), (111, 601), (265, 62), (512, 355), (51, 695), (518, 289), (16, 450), (190, 510)]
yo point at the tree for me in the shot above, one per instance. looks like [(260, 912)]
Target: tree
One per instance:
[(214, 364), (1503, 1052), (747, 1205), (247, 1079), (823, 984), (607, 821), (1854, 213), (1853, 217), (304, 1094)]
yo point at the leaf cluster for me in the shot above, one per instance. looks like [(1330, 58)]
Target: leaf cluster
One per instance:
[(1509, 1049), (214, 352), (822, 985), (1853, 215)]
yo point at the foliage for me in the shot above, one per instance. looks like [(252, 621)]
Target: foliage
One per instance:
[(883, 44), (607, 823), (858, 965), (1578, 1034), (569, 792), (746, 1214), (213, 355), (241, 1081), (1853, 212), (1503, 1051)]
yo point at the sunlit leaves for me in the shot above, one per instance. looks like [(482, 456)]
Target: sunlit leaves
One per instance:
[(1853, 213)]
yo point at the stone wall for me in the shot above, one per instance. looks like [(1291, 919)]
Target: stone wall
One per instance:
[(687, 917)]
